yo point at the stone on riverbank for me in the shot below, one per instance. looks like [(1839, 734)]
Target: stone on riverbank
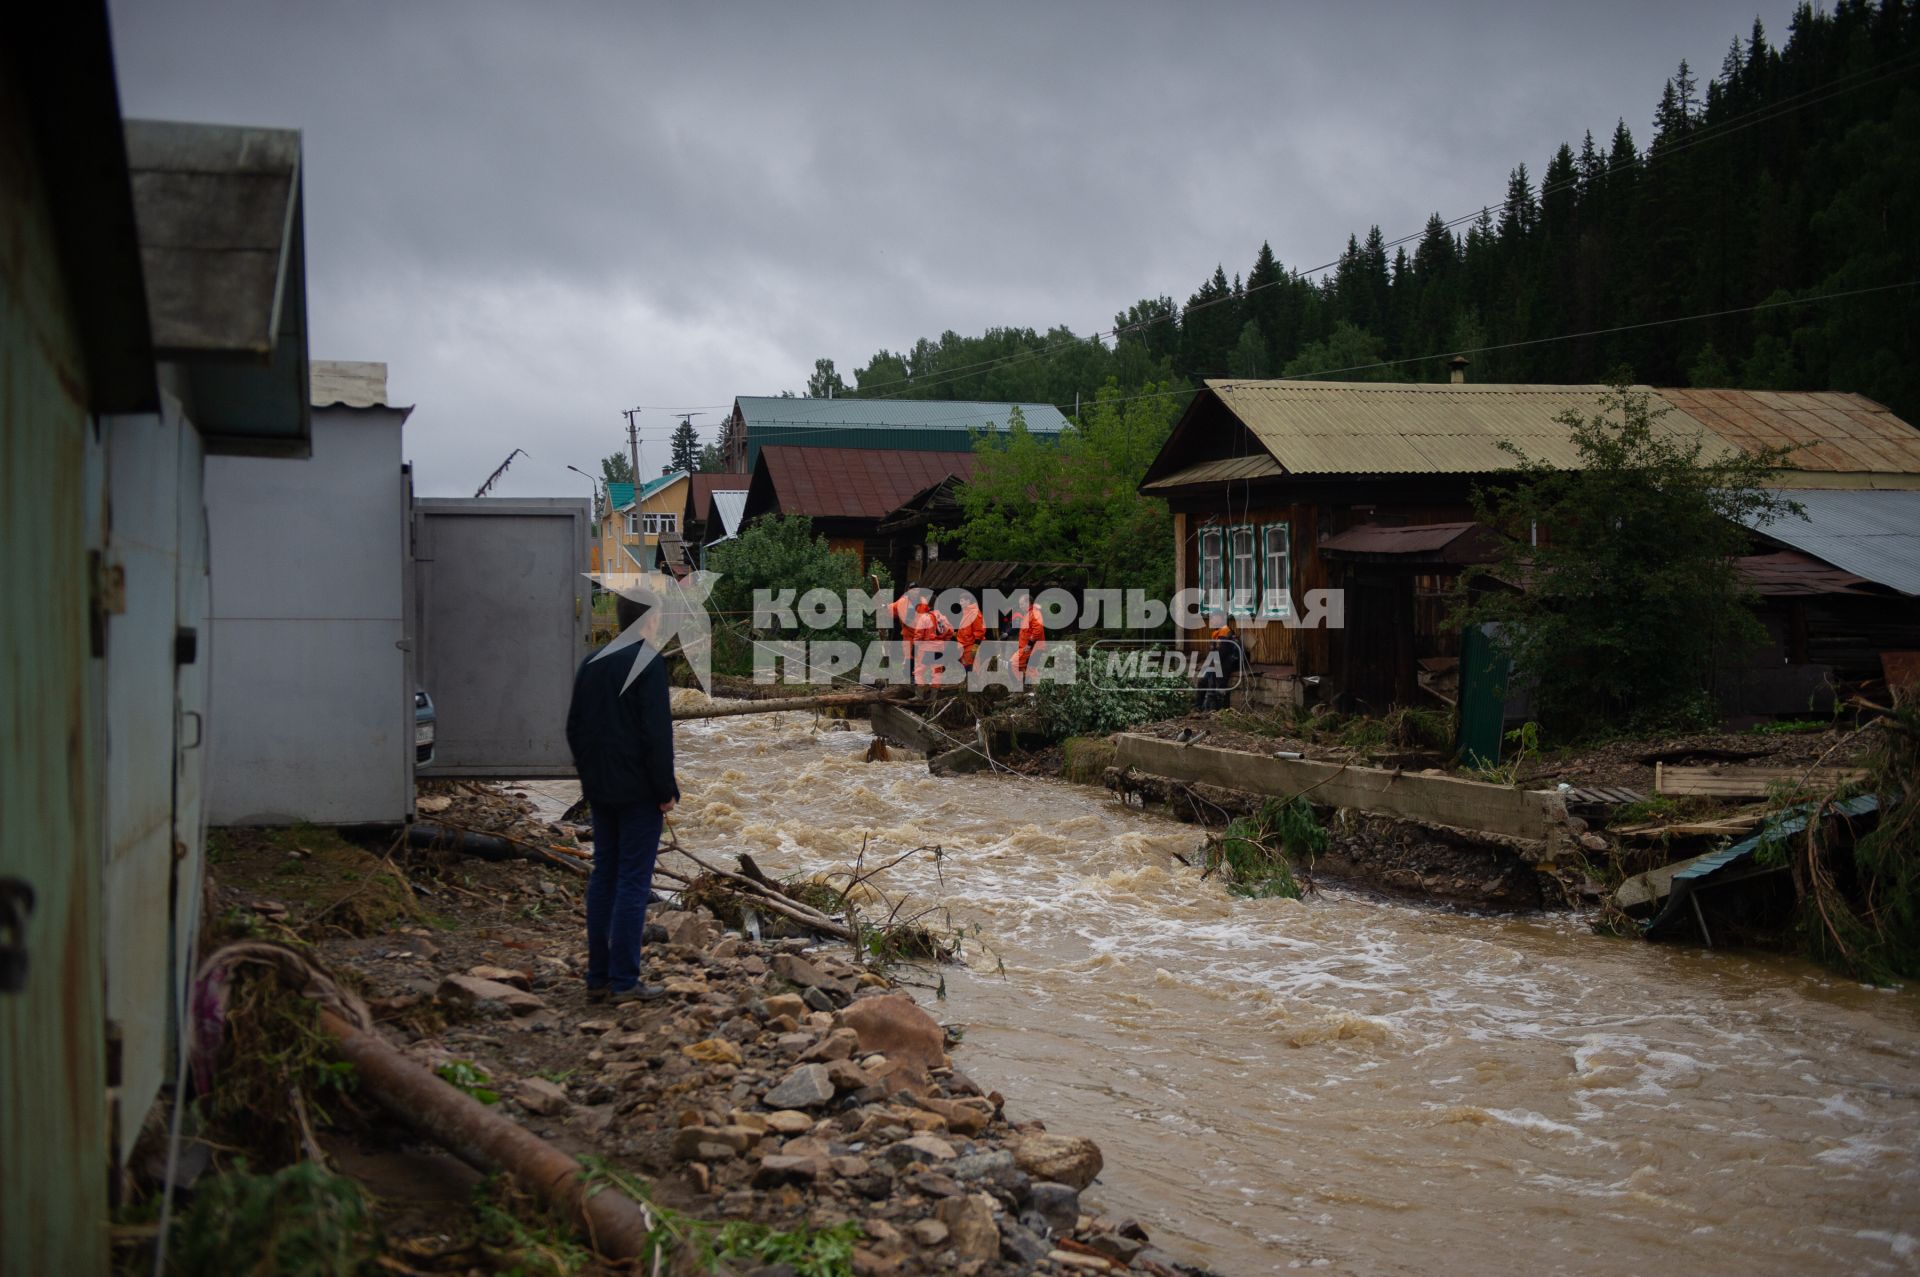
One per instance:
[(1064, 1159)]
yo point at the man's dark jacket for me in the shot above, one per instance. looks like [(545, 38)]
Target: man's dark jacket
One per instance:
[(622, 742)]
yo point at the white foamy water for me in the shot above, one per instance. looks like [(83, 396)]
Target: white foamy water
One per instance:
[(1356, 1084)]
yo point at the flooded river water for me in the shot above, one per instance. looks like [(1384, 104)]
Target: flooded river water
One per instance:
[(1356, 1084)]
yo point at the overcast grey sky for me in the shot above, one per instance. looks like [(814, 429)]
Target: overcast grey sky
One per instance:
[(541, 214)]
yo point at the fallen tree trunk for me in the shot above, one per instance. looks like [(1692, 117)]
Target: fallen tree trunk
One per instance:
[(618, 1226), (488, 846), (827, 700)]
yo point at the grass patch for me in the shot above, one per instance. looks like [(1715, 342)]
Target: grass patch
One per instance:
[(1087, 758), (297, 1222), (1256, 855)]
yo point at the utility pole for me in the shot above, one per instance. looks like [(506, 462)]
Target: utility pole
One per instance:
[(633, 441)]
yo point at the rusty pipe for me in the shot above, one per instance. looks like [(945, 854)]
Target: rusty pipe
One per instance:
[(618, 1226)]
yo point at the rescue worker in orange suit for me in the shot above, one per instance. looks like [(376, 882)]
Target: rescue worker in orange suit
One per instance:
[(902, 609), (1033, 634), (1223, 670), (930, 630), (971, 631)]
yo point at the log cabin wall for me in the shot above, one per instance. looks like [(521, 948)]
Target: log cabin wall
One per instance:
[(1316, 509)]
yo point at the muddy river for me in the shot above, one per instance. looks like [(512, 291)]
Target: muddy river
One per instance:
[(1362, 1085)]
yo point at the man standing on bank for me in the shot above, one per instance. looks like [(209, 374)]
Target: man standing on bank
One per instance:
[(620, 729)]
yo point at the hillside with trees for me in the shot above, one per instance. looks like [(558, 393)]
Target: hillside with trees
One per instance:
[(1777, 200)]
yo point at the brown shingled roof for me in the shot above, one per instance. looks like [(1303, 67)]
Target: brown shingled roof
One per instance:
[(846, 483)]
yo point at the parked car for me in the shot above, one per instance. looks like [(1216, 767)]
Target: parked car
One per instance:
[(424, 722)]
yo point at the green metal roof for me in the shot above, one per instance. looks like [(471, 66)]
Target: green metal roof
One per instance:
[(893, 414), (620, 495), (652, 486)]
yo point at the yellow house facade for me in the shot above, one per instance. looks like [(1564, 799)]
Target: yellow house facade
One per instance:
[(632, 520)]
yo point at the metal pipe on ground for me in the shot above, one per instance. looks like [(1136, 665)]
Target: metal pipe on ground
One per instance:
[(618, 1226)]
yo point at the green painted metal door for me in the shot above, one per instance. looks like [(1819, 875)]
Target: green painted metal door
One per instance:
[(1483, 697)]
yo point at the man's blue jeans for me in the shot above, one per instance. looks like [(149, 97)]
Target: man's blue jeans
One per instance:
[(625, 841)]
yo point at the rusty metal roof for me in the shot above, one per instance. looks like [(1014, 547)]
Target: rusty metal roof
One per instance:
[(1466, 542), (1409, 428), (846, 483), (1828, 431), (701, 489), (1788, 573)]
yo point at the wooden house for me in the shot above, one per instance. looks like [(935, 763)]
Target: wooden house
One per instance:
[(1279, 488)]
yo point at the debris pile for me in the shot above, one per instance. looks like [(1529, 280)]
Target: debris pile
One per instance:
[(777, 1085)]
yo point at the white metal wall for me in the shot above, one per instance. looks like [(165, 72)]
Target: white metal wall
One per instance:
[(312, 696)]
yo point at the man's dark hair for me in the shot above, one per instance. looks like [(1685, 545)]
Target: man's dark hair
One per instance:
[(627, 611)]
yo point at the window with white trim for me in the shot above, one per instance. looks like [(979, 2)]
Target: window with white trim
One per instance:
[(633, 524), (1213, 580), (658, 523), (1245, 569), (1276, 551)]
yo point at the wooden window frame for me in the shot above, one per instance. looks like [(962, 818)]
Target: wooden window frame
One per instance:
[(1276, 603), (1234, 606), (1218, 583)]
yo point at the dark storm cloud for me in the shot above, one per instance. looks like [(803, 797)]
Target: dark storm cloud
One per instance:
[(541, 214)]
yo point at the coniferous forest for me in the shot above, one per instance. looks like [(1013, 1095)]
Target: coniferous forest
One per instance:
[(1769, 188)]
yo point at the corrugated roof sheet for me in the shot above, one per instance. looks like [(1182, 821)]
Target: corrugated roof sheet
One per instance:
[(1827, 430), (341, 383), (1870, 533), (1257, 466), (1392, 428), (854, 483), (727, 507), (881, 414)]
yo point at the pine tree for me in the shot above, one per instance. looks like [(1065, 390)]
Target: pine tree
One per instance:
[(685, 455)]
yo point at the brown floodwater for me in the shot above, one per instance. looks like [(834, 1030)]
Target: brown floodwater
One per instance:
[(1354, 1083)]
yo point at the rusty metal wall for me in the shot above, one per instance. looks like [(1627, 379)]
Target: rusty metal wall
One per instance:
[(53, 1179)]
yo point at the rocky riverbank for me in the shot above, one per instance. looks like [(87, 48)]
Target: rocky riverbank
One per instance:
[(776, 1082)]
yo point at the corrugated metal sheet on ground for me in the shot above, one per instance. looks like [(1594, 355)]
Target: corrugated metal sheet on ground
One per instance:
[(1871, 533), (894, 414), (854, 483), (1387, 428), (1703, 869)]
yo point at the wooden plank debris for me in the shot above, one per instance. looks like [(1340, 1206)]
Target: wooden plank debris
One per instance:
[(1654, 884), (1447, 800), (1746, 782), (729, 709)]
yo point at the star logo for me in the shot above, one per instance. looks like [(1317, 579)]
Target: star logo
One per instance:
[(676, 613)]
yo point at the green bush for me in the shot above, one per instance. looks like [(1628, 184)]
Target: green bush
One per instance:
[(297, 1222), (1082, 708)]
